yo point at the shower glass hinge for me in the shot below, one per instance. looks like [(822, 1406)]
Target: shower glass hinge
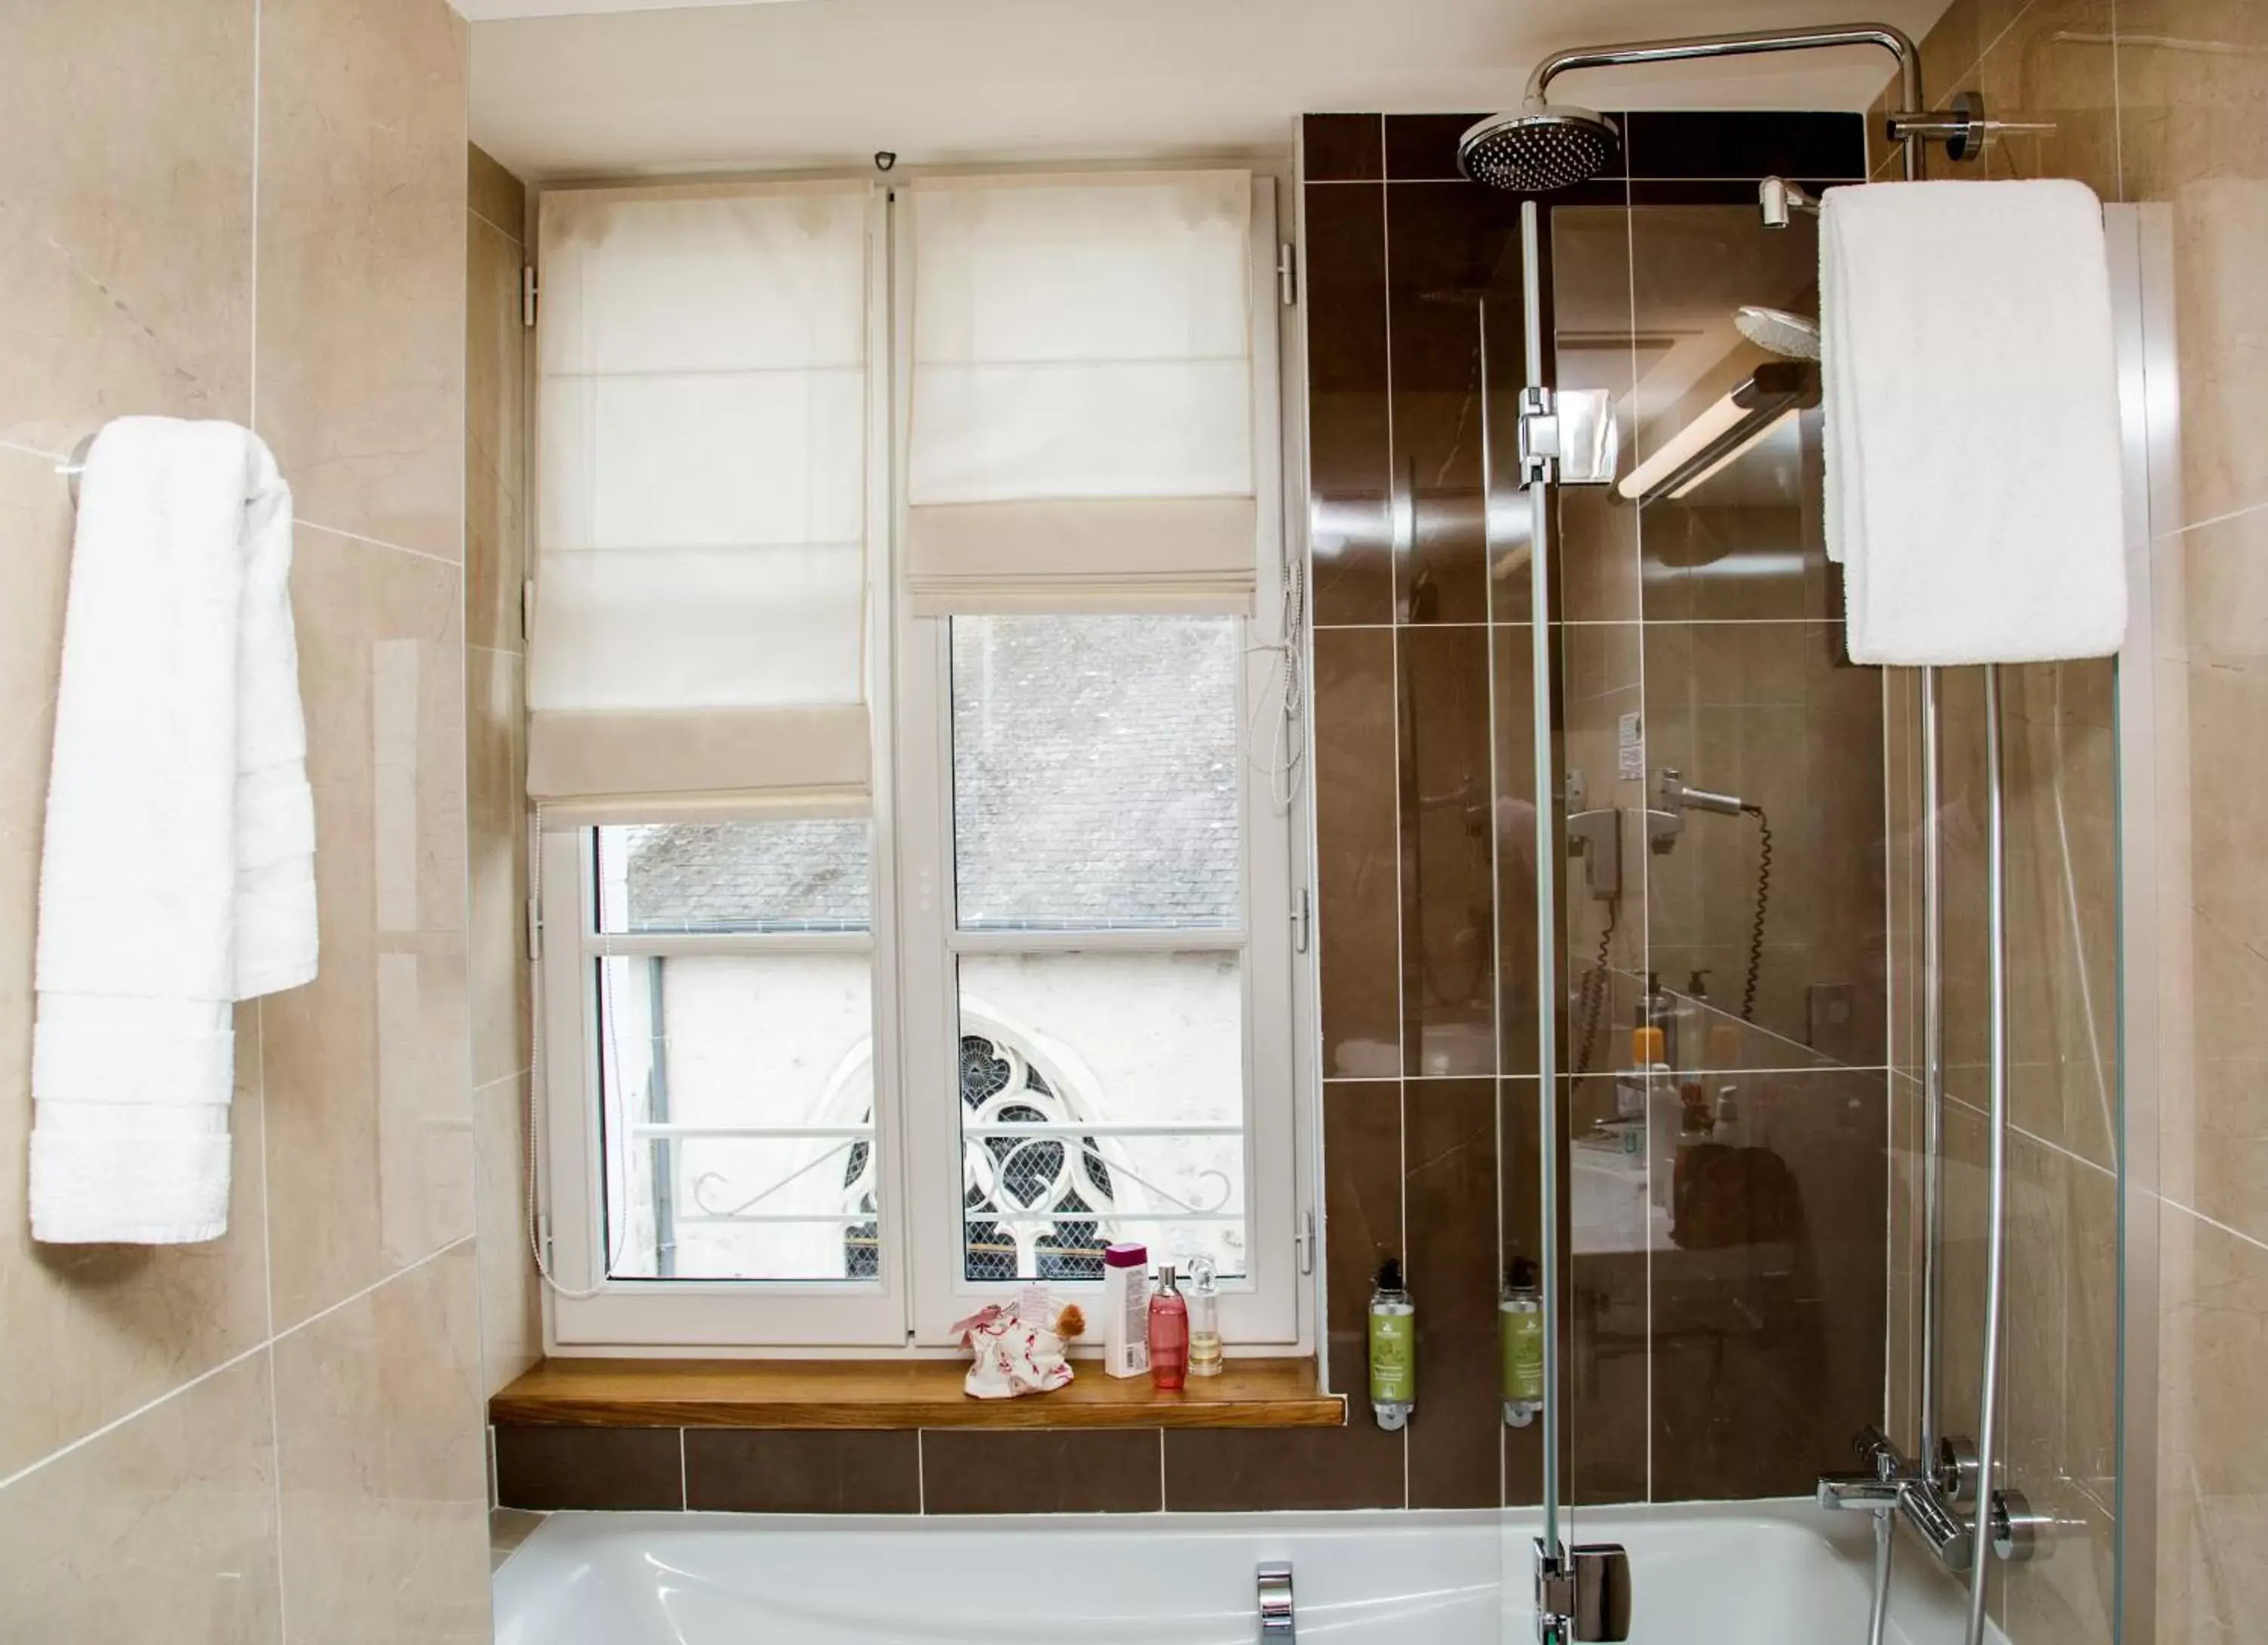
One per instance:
[(1582, 1595), (527, 295), (1568, 438), (1287, 276)]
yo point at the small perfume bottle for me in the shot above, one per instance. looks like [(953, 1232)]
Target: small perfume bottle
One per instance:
[(1205, 1321), (1169, 1333)]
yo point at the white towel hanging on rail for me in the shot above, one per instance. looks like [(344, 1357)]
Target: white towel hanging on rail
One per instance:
[(177, 869), (1971, 398)]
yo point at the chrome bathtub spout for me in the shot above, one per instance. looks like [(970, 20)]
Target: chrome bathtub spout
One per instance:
[(1278, 1625)]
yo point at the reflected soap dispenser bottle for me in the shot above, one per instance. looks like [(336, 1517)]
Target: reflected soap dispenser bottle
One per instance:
[(1393, 1349), (1519, 1337), (1169, 1332)]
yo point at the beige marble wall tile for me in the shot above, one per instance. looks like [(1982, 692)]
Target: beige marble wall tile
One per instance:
[(2220, 1134), (89, 1332), (2053, 65), (2193, 129), (162, 1529), (369, 1098), (495, 474), (494, 193), (384, 1493), (2212, 1448), (362, 263), (125, 239), (511, 1324), (2059, 1390), (496, 735)]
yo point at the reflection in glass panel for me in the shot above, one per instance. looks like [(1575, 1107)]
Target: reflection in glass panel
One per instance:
[(1103, 1099), (739, 1094), (1095, 772), (802, 875)]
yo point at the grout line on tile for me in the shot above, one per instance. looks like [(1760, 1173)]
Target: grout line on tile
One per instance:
[(489, 222), (2189, 1211), (306, 524), (144, 1409), (399, 1273), (32, 451)]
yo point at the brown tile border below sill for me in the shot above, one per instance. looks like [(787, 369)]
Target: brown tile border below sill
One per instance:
[(896, 1394)]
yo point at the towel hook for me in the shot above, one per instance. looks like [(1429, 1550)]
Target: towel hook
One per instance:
[(74, 465)]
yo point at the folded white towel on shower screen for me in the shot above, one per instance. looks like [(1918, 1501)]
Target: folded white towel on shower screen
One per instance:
[(1971, 396), (177, 870)]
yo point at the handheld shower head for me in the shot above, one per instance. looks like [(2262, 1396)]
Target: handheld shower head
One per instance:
[(1791, 337), (1538, 149)]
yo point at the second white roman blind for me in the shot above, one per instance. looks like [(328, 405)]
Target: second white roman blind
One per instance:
[(700, 621), (1082, 396)]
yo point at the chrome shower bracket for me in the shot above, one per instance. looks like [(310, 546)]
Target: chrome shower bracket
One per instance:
[(1964, 129)]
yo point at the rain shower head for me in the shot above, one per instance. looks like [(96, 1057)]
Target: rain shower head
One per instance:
[(1791, 337), (1538, 149)]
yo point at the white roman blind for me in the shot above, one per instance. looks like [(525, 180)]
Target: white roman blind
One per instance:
[(700, 620), (1082, 397)]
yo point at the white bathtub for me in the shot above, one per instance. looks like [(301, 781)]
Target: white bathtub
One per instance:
[(1760, 1572)]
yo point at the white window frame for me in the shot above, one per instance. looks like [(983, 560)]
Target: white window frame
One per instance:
[(921, 1289)]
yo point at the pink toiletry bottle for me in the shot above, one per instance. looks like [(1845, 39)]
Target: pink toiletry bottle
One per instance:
[(1169, 1333)]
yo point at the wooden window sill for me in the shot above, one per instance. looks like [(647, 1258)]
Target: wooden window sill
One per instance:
[(897, 1394)]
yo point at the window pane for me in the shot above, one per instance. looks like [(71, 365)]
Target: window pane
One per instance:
[(735, 876), (1101, 1099), (694, 1049), (1094, 779)]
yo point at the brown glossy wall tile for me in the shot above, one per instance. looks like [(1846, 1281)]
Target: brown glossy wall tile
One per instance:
[(1357, 860), (1362, 1217), (1451, 246), (1226, 1471), (1448, 875), (1768, 1296), (1349, 454), (1423, 148), (596, 1468), (1761, 710), (1340, 148), (1744, 145), (1520, 1185), (1449, 1183), (780, 1471), (1606, 1343), (975, 1471), (1514, 824)]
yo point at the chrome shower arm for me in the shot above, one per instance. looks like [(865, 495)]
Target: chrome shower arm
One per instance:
[(1685, 49)]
